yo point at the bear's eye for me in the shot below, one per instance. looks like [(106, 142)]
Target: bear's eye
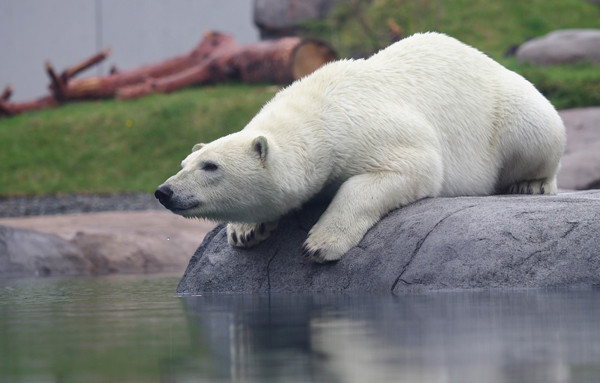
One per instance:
[(209, 166)]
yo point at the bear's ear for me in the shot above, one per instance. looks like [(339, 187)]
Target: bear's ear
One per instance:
[(197, 147), (261, 147)]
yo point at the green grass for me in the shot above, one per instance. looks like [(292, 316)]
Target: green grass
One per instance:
[(113, 146), (566, 86), (359, 27)]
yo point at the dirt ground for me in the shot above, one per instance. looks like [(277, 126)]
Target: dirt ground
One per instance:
[(158, 223)]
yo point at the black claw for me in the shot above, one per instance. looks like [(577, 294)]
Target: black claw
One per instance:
[(307, 253), (234, 237), (262, 228)]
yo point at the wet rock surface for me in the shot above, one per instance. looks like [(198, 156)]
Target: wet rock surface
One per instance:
[(438, 243)]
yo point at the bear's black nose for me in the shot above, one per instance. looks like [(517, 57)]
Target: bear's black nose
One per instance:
[(163, 194)]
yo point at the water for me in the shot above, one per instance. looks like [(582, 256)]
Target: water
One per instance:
[(135, 329)]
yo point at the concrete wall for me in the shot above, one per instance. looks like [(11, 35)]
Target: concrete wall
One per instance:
[(137, 31)]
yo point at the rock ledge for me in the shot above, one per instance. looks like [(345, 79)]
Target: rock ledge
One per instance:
[(438, 243)]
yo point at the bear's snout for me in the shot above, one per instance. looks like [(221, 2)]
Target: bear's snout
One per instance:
[(176, 203), (163, 194)]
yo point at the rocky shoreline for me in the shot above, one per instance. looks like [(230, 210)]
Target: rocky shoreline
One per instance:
[(93, 235)]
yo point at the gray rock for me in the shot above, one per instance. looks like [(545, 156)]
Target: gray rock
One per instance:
[(126, 253), (580, 164), (30, 253), (278, 18), (98, 243), (562, 47), (438, 243)]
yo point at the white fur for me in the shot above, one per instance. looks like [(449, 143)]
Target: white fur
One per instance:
[(428, 116)]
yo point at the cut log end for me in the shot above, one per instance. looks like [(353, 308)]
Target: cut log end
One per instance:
[(309, 56)]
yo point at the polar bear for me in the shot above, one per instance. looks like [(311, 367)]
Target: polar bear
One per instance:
[(428, 116)]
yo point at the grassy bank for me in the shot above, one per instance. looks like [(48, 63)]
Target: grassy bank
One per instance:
[(361, 27), (112, 146)]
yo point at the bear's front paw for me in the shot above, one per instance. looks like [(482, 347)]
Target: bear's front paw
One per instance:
[(327, 243), (249, 234), (321, 253)]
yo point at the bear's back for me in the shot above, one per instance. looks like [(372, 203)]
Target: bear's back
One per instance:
[(431, 89)]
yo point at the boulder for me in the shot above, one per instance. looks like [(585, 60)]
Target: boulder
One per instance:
[(31, 253), (562, 47), (278, 18), (125, 253), (508, 241), (98, 243), (580, 164)]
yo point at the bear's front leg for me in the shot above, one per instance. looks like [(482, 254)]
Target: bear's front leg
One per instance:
[(360, 202), (249, 234)]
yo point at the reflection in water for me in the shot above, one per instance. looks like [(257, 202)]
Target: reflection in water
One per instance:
[(109, 329), (135, 329), (510, 336)]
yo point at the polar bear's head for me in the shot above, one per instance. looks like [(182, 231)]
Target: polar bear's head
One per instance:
[(226, 180)]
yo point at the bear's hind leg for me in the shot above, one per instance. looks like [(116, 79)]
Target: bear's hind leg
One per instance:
[(249, 234), (540, 186)]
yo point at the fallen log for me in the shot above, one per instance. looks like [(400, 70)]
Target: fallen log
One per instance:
[(59, 83), (12, 108), (58, 88), (276, 61), (106, 86), (216, 58), (85, 64)]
